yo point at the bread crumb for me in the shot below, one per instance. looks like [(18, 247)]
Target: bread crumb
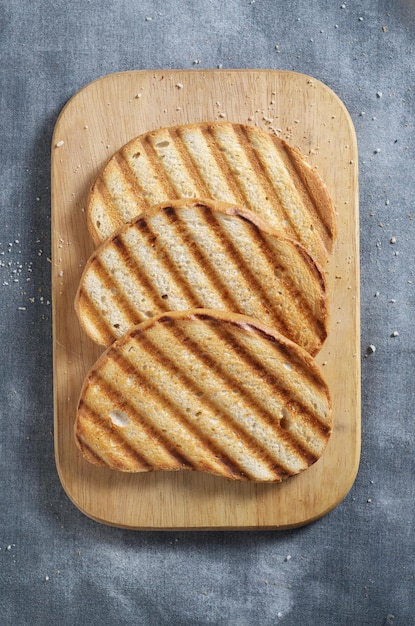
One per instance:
[(59, 144), (179, 85), (392, 240), (395, 334), (371, 349)]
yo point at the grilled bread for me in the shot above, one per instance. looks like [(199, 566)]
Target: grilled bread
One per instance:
[(220, 160), (205, 390), (202, 254)]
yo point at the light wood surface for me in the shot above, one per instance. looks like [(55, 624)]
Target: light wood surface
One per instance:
[(93, 125)]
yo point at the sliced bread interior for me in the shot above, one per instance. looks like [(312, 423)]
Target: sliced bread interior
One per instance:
[(202, 254), (231, 162), (205, 390)]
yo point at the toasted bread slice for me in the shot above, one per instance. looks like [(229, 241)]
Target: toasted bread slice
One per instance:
[(205, 390), (202, 254), (220, 160)]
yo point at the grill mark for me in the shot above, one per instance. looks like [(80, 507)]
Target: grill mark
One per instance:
[(322, 429), (250, 400), (253, 363), (287, 394), (122, 301), (297, 295), (130, 261), (101, 195), (101, 326), (163, 178), (89, 453), (309, 195), (284, 394), (170, 268), (309, 189), (320, 326), (196, 252), (226, 457), (114, 436), (248, 275), (134, 185), (232, 467), (311, 376), (295, 229), (148, 427), (190, 165), (168, 189), (264, 179), (237, 193)]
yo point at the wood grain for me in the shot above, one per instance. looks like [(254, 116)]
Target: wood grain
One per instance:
[(95, 123)]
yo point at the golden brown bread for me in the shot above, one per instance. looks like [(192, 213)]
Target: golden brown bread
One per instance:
[(202, 254), (205, 390), (218, 160)]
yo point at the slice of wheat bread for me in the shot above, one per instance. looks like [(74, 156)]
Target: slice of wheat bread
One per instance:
[(230, 162), (202, 254), (205, 390)]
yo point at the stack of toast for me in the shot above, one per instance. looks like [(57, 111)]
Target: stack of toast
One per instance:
[(207, 288)]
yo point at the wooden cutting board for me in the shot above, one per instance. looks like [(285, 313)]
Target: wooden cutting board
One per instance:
[(95, 123)]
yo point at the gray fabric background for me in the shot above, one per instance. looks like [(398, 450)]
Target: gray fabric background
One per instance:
[(354, 566)]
